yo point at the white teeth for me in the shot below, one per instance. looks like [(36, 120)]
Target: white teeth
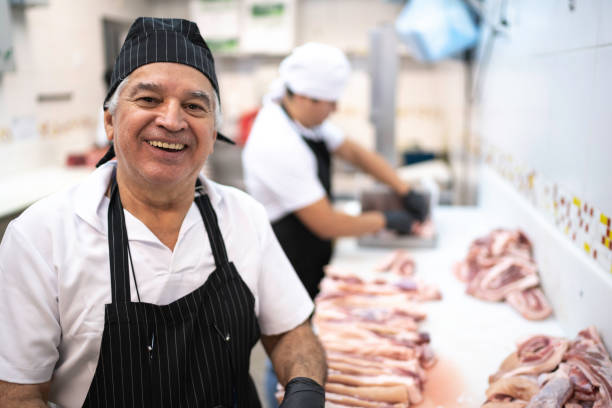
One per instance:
[(173, 146)]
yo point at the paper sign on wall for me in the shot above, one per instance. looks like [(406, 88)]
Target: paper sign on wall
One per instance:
[(219, 23), (268, 26)]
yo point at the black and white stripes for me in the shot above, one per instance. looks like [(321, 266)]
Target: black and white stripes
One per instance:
[(152, 40), (193, 352)]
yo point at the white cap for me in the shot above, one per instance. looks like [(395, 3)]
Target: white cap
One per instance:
[(316, 70)]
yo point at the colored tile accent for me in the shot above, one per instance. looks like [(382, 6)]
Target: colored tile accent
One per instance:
[(583, 223)]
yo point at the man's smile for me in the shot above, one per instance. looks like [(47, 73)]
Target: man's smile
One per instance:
[(166, 146)]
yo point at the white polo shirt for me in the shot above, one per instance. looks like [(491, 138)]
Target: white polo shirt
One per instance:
[(280, 170), (55, 278)]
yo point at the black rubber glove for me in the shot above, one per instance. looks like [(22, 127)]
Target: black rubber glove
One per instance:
[(302, 392), (399, 221), (417, 204)]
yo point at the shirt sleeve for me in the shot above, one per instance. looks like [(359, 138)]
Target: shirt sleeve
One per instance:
[(284, 302), (29, 319), (289, 173)]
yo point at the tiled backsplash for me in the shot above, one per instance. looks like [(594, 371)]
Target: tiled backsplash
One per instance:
[(579, 220)]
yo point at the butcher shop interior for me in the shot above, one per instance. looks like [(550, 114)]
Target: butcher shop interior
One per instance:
[(462, 192)]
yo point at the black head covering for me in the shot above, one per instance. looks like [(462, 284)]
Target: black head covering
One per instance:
[(152, 39)]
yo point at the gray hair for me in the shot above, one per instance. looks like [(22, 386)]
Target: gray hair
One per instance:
[(111, 105)]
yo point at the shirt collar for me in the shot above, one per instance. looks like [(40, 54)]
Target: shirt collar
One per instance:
[(313, 133), (92, 207)]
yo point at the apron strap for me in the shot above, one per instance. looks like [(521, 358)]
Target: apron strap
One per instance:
[(118, 246), (212, 227), (118, 240)]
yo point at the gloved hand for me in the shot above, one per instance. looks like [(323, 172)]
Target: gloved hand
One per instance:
[(417, 204), (302, 392), (399, 221)]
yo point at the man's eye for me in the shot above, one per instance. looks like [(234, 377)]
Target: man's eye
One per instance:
[(147, 99), (195, 107)]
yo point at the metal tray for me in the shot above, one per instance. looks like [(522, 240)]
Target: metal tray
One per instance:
[(397, 241)]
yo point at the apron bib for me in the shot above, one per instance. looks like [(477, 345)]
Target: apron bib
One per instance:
[(193, 352)]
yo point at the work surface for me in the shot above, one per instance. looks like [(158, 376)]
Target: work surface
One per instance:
[(470, 337)]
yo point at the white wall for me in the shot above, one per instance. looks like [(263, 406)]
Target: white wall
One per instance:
[(544, 114), (547, 91), (59, 49)]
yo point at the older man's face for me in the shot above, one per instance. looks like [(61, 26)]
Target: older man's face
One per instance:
[(163, 128)]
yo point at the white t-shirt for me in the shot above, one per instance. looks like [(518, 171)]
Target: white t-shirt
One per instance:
[(55, 278), (280, 170)]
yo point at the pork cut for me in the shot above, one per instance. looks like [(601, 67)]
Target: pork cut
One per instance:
[(500, 266), (566, 374)]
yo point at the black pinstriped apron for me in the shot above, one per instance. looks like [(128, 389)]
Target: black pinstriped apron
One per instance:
[(193, 352)]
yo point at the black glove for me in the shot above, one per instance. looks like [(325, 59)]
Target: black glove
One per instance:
[(302, 392), (417, 204), (399, 221)]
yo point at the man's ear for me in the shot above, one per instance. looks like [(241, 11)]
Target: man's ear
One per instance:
[(108, 125)]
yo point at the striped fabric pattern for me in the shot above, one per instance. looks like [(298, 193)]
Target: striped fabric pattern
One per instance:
[(193, 352), (153, 39)]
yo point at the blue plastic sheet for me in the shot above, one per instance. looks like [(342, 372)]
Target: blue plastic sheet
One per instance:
[(436, 29)]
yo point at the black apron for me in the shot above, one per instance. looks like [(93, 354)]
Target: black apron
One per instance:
[(307, 252), (193, 352)]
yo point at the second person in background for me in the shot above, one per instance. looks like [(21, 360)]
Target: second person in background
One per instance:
[(287, 164)]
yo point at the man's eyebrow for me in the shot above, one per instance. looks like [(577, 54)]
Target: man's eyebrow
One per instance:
[(144, 86), (203, 96)]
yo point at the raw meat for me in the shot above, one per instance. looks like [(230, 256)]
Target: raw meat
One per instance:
[(500, 267), (566, 374)]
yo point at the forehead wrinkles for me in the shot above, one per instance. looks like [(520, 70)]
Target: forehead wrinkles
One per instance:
[(152, 86)]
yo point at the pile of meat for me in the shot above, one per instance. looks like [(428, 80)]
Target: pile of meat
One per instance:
[(369, 326), (549, 372), (500, 266)]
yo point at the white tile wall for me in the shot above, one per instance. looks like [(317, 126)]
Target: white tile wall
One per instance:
[(605, 27), (544, 104), (598, 142), (567, 29)]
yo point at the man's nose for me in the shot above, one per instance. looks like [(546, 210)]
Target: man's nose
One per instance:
[(172, 117)]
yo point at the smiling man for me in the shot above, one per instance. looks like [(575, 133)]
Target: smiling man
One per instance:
[(148, 285)]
